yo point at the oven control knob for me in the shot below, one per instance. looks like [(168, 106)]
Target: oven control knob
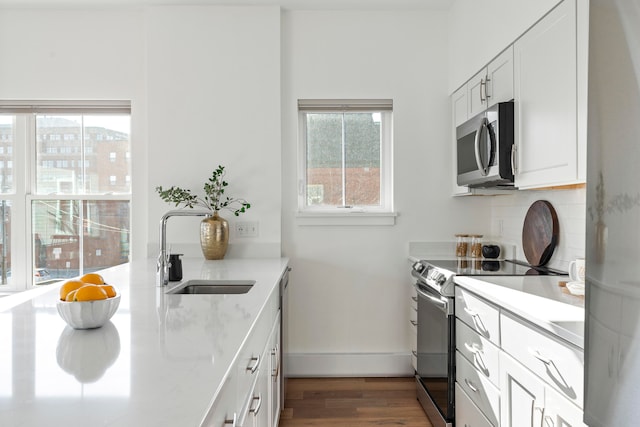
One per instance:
[(418, 266)]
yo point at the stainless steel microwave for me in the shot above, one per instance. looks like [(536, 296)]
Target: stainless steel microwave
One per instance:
[(485, 148)]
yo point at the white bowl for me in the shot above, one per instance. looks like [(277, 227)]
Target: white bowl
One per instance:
[(88, 314)]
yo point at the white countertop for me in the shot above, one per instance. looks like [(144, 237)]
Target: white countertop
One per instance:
[(158, 362), (537, 299)]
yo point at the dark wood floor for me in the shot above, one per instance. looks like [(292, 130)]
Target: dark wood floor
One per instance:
[(352, 402)]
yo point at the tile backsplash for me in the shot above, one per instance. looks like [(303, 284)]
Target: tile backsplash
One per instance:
[(508, 213)]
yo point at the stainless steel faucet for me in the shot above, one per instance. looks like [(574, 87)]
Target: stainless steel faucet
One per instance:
[(162, 266)]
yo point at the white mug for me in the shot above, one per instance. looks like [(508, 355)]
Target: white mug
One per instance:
[(576, 270)]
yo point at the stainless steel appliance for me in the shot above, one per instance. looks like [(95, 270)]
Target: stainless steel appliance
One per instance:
[(435, 373), (485, 147), (612, 305)]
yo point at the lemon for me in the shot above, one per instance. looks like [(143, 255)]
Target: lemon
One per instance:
[(93, 278), (90, 292), (68, 286)]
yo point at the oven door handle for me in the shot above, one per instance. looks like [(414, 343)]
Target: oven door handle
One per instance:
[(436, 299)]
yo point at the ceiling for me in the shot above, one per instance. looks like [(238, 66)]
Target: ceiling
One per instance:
[(285, 4)]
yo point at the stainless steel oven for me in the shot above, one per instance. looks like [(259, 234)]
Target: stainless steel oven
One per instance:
[(435, 374)]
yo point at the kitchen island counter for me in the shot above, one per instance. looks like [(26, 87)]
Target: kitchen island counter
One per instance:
[(160, 361)]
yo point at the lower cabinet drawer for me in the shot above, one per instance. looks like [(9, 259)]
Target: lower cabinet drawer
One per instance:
[(481, 352), (559, 364), (482, 392), (480, 315), (467, 413)]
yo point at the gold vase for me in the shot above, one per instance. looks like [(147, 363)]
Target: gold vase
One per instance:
[(214, 236)]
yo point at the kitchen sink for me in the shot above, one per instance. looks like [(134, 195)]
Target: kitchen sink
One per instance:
[(213, 287)]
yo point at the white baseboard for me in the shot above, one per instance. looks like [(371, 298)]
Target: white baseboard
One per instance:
[(348, 365)]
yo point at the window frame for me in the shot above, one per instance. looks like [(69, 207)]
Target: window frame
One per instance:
[(383, 214), (25, 193)]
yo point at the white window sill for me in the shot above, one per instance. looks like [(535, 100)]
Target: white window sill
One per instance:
[(348, 218)]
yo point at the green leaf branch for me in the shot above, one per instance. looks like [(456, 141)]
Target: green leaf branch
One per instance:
[(214, 198)]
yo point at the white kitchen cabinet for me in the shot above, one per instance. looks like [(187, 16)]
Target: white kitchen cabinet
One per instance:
[(558, 363), (479, 351), (477, 360), (522, 400), (477, 386), (223, 409), (550, 146), (261, 405), (559, 412), (480, 315), (275, 379), (527, 401), (492, 84), (468, 414), (511, 373), (251, 392)]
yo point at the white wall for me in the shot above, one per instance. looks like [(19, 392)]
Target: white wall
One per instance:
[(75, 54), (349, 299), (480, 29), (213, 77), (508, 213)]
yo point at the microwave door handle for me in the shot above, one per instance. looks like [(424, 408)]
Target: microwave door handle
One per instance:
[(481, 130)]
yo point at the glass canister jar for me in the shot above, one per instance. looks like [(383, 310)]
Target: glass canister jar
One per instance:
[(462, 245), (476, 245)]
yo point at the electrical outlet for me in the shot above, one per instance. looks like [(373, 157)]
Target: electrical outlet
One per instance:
[(247, 229)]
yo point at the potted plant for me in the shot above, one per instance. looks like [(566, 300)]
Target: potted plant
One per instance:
[(214, 230)]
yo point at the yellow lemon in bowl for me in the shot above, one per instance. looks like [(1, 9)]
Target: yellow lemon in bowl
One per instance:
[(68, 287), (110, 290), (90, 293), (93, 278)]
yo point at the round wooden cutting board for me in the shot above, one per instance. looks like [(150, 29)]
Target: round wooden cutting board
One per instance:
[(540, 233)]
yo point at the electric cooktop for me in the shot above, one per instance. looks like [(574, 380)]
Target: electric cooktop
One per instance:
[(490, 267)]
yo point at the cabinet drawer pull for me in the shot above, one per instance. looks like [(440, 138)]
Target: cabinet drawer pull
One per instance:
[(415, 353), (470, 312), (276, 371), (537, 355), (413, 322), (255, 366), (232, 421), (471, 386), (255, 410), (414, 299), (472, 348), (477, 321)]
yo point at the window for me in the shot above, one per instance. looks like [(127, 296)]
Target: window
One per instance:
[(70, 211), (346, 156)]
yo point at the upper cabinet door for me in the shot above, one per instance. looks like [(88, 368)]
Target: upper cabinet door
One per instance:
[(500, 78), (546, 101), (460, 107), (477, 92)]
